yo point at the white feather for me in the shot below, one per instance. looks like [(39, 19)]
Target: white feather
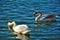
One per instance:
[(19, 28)]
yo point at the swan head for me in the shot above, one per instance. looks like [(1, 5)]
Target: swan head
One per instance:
[(40, 13), (34, 13), (9, 23)]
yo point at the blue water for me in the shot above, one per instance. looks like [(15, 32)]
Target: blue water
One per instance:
[(21, 11)]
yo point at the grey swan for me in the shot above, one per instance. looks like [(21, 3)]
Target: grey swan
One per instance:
[(44, 17)]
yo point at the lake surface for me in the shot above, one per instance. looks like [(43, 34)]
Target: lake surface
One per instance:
[(21, 11)]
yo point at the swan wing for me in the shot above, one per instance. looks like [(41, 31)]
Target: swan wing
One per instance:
[(20, 28)]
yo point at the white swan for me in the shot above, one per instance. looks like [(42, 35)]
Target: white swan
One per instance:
[(23, 29), (44, 17)]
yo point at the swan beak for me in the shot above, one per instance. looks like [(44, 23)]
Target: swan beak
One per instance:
[(34, 13), (9, 24), (9, 27)]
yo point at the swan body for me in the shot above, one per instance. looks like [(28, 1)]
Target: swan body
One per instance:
[(44, 17), (19, 28)]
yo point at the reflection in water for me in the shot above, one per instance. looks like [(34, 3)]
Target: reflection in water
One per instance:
[(44, 24), (22, 37)]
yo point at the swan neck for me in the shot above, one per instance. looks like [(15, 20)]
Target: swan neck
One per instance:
[(14, 24), (40, 14)]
